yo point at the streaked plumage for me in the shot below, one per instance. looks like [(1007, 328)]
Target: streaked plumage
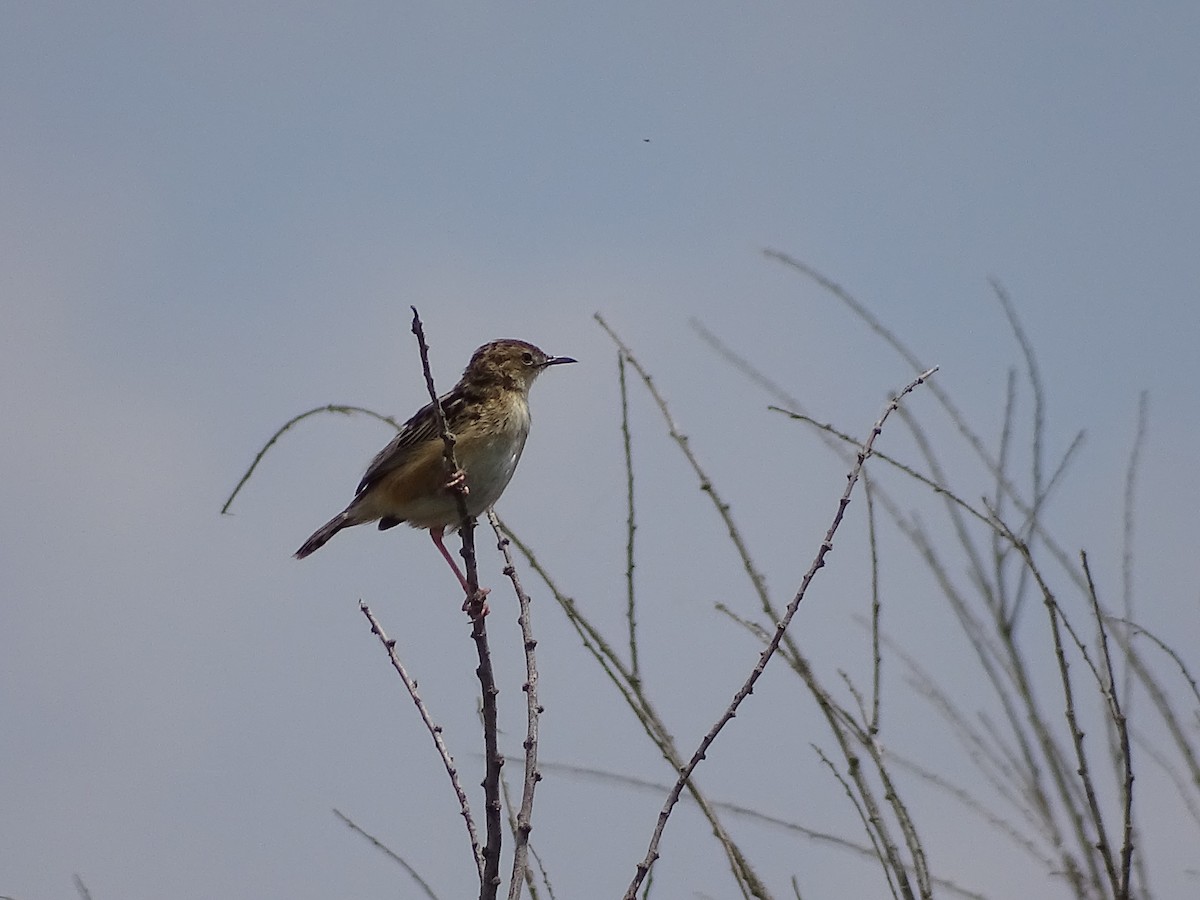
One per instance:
[(488, 412)]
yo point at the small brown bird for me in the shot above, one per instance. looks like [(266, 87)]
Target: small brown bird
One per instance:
[(488, 413)]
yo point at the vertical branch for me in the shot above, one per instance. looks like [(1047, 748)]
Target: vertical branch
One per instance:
[(490, 879), (533, 712), (529, 879), (876, 609), (1008, 601), (1058, 620), (458, 485), (493, 760), (630, 522), (1033, 373), (1108, 687), (1135, 455)]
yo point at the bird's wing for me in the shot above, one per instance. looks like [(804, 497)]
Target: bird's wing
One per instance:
[(418, 430)]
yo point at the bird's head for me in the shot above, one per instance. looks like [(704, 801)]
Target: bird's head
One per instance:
[(515, 364)]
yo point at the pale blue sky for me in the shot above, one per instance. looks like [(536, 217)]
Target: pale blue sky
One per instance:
[(215, 216)]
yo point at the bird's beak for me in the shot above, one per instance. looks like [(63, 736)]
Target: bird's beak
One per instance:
[(558, 361)]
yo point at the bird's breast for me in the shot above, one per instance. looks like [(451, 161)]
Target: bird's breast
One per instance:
[(490, 456)]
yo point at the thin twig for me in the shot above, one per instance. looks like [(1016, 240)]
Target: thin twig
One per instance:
[(828, 705), (748, 882), (1000, 547), (866, 819), (457, 484), (975, 805), (976, 567), (706, 485), (823, 838), (848, 733), (1033, 373), (328, 408), (747, 368), (511, 814), (876, 609), (389, 853), (1057, 622), (1171, 652), (1108, 687), (630, 523), (997, 653), (1128, 519), (747, 687), (891, 339), (908, 470), (434, 730), (995, 761), (1162, 702), (942, 396), (1183, 789), (542, 870)]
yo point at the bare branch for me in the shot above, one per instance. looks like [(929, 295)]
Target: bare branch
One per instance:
[(533, 711), (476, 609), (389, 853), (328, 408), (764, 657), (706, 485), (434, 730), (1108, 688), (630, 522), (635, 697)]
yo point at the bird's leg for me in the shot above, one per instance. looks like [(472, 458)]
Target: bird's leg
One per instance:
[(437, 534), (458, 482)]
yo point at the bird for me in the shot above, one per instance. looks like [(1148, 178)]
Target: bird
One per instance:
[(407, 482)]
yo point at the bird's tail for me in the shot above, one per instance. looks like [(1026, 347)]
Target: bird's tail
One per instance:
[(324, 533)]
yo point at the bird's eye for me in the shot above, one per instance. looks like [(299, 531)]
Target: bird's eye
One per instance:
[(527, 358)]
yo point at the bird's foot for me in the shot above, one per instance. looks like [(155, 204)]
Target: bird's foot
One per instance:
[(458, 482), (475, 606)]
